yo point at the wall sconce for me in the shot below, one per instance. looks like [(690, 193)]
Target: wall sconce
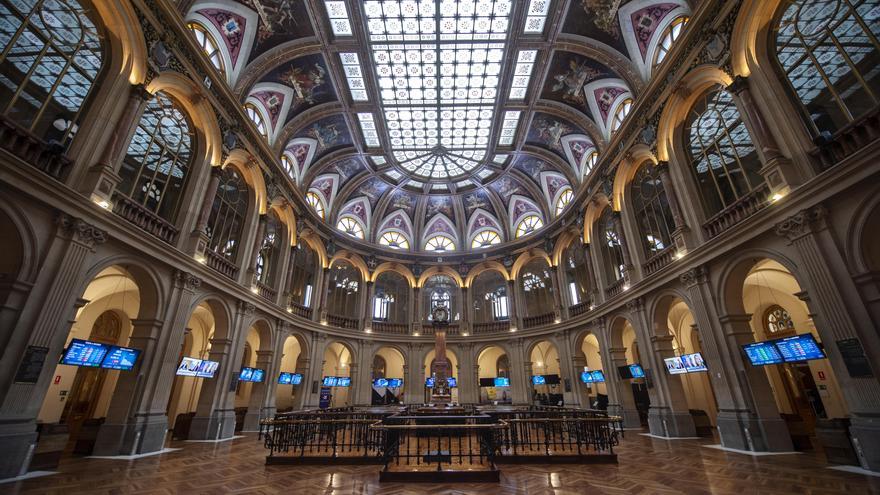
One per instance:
[(255, 290), (776, 197)]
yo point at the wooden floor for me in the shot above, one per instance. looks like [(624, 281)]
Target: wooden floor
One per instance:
[(647, 466)]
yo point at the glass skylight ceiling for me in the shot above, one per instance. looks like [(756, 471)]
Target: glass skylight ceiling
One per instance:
[(438, 65)]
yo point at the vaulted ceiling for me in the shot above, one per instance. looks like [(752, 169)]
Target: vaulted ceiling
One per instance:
[(446, 117)]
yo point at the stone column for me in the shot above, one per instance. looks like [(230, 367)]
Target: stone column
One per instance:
[(520, 369), (215, 413), (626, 403), (44, 324), (512, 299), (367, 307), (316, 370), (322, 296), (102, 178), (578, 363), (596, 269), (255, 253), (281, 274), (466, 309), (564, 359), (740, 424), (591, 275), (839, 316), (259, 391), (681, 234), (624, 247), (557, 293), (413, 387), (417, 312), (198, 244), (301, 391), (779, 172)]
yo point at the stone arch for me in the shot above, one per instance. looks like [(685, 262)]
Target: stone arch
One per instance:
[(627, 169), (593, 211), (399, 268), (734, 272), (21, 246), (244, 164), (526, 257), (153, 294), (862, 244), (355, 260), (440, 270), (485, 267)]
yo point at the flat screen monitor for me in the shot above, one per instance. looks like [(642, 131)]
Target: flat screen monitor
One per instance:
[(297, 379), (85, 353), (285, 378), (380, 382), (625, 372), (539, 380), (487, 382), (120, 358), (636, 371), (395, 382), (251, 375), (551, 379), (762, 353), (329, 381), (257, 375), (674, 365), (343, 381), (451, 383), (587, 377), (429, 382), (694, 363), (501, 381), (598, 376), (799, 348), (201, 368)]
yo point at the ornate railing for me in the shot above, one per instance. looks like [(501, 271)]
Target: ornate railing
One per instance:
[(847, 141), (267, 292), (298, 309), (743, 208), (28, 148), (143, 218), (579, 308), (538, 320), (450, 330), (221, 264), (342, 321), (615, 287), (392, 328), (491, 327), (659, 260)]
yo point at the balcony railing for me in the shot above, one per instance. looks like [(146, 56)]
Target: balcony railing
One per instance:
[(615, 288), (579, 308), (392, 328), (27, 147), (848, 140), (659, 260), (342, 321), (221, 264), (491, 327), (143, 218), (538, 320), (737, 212), (450, 330), (267, 292), (298, 309)]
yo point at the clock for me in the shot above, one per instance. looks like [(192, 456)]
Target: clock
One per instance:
[(440, 314)]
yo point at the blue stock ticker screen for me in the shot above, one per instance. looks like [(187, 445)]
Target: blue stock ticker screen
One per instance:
[(762, 353), (120, 358), (85, 353), (799, 348)]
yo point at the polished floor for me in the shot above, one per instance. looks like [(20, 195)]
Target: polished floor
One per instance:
[(647, 466)]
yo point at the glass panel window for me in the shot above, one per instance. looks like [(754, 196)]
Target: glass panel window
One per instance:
[(828, 49), (257, 118), (528, 225), (315, 202), (592, 159), (778, 320), (156, 165), (351, 227), (269, 248), (307, 296), (440, 243), (394, 240), (668, 38), (725, 161), (485, 238), (499, 308), (612, 251), (208, 45), (50, 57), (573, 293), (227, 214), (651, 205), (381, 304), (563, 201), (620, 114), (289, 166)]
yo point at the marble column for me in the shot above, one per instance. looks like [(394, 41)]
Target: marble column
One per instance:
[(591, 275), (557, 293), (417, 312), (512, 301), (366, 312), (625, 405), (624, 247), (681, 235), (198, 242), (322, 296), (257, 402)]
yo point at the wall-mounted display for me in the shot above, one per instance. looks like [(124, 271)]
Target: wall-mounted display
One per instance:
[(201, 368)]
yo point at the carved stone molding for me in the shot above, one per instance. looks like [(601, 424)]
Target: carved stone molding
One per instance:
[(246, 308), (694, 276), (81, 231), (635, 305), (802, 223), (187, 280)]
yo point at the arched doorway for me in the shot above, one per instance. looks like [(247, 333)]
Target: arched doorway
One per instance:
[(192, 370), (493, 373), (255, 377), (545, 380), (591, 378), (627, 376), (338, 360), (289, 392), (387, 376), (453, 371)]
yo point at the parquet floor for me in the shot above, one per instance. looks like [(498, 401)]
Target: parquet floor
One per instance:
[(647, 466)]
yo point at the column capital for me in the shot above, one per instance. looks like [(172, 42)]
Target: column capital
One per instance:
[(80, 231), (739, 84), (635, 305), (186, 280), (246, 308), (804, 222), (140, 92), (694, 276)]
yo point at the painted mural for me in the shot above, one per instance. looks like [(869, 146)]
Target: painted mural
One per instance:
[(478, 199), (279, 21), (439, 204), (347, 168), (567, 76), (331, 133), (373, 189), (309, 79), (402, 200), (547, 132), (231, 25), (597, 19), (507, 187), (532, 167)]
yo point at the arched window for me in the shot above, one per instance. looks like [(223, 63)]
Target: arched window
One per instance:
[(391, 298), (440, 290), (315, 202), (563, 201), (440, 243), (227, 214), (502, 365), (592, 159), (610, 242), (724, 158), (303, 270), (652, 209), (156, 166), (829, 53), (490, 299), (668, 38), (537, 288), (208, 44), (269, 249), (577, 273), (351, 227), (485, 238), (257, 118), (394, 240), (528, 225), (50, 52), (777, 320), (289, 166), (345, 282), (620, 114)]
